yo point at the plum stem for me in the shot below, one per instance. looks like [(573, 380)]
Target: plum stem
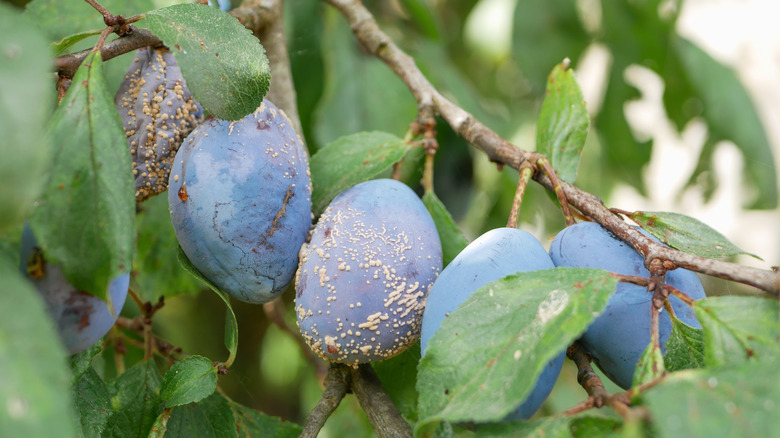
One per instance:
[(548, 170), (526, 171)]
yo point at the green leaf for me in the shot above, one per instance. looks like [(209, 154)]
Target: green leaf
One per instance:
[(351, 160), (399, 377), (231, 326), (563, 122), (26, 99), (59, 19), (650, 365), (731, 115), (90, 394), (545, 32), (587, 427), (251, 423), (81, 362), (224, 64), (160, 426), (212, 417), (687, 234), (550, 427), (739, 401), (158, 270), (135, 401), (85, 222), (738, 329), (35, 384), (64, 44), (684, 348), (485, 358), (452, 239), (189, 380), (422, 15)]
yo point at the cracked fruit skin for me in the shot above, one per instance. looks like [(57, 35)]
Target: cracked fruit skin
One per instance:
[(492, 256), (81, 319), (240, 202), (363, 279), (618, 337)]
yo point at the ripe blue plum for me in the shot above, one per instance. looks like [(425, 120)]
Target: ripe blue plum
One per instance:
[(490, 257), (618, 337), (363, 279), (81, 319), (158, 112), (240, 202)]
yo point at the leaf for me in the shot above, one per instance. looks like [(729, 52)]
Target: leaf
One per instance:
[(85, 222), (650, 365), (212, 417), (93, 403), (59, 19), (550, 427), (563, 122), (160, 426), (731, 115), (738, 329), (231, 326), (351, 160), (452, 239), (485, 358), (224, 64), (739, 401), (70, 40), (26, 100), (684, 348), (422, 15), (158, 270), (398, 376), (35, 384), (189, 380), (587, 427), (135, 401), (687, 234), (81, 362), (545, 32), (251, 423)]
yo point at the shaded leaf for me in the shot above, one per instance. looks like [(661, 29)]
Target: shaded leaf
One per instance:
[(81, 362), (563, 122), (485, 358), (398, 376), (452, 239), (90, 191), (224, 64), (60, 19), (738, 329), (212, 417), (26, 100), (739, 401), (587, 427), (550, 427), (35, 384), (687, 234), (189, 380), (64, 44), (251, 423), (351, 160), (650, 365), (93, 403), (135, 401), (684, 348)]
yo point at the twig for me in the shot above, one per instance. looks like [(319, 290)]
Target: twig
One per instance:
[(501, 151), (67, 65), (526, 172), (275, 314), (336, 386), (382, 413), (546, 167)]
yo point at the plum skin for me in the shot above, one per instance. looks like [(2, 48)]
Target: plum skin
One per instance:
[(619, 336), (492, 256), (81, 319), (363, 279), (240, 202)]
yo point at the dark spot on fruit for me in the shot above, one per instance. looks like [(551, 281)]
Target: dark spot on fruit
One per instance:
[(183, 193), (262, 126), (327, 232), (331, 349)]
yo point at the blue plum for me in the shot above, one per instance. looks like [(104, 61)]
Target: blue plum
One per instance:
[(490, 257), (240, 202), (81, 319), (363, 279), (158, 112), (618, 337)]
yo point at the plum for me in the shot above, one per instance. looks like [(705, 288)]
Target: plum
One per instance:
[(363, 279), (240, 202), (81, 319), (158, 112), (494, 255), (619, 336)]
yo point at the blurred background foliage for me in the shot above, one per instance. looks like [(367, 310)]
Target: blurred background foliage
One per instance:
[(492, 58)]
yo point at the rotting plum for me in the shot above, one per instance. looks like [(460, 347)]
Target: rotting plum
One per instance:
[(81, 319), (492, 256), (158, 112), (618, 337), (240, 202), (363, 279)]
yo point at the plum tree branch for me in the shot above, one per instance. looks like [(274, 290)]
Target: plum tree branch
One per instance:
[(67, 65), (499, 150)]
